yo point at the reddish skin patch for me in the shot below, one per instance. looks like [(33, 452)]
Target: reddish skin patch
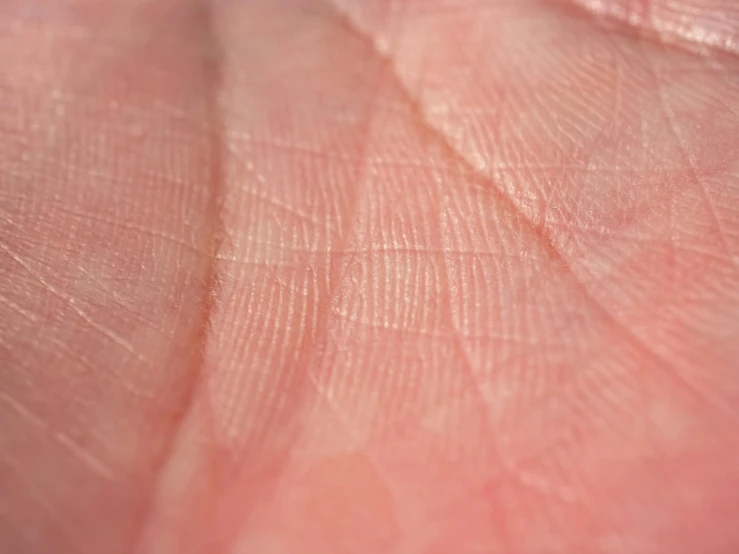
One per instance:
[(409, 277)]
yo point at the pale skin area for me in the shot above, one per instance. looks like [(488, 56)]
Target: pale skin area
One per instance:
[(361, 276)]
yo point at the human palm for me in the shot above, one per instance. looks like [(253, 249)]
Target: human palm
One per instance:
[(369, 276)]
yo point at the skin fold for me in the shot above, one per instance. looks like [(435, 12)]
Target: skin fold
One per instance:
[(369, 276)]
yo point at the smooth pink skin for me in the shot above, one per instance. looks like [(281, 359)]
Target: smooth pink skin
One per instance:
[(370, 276)]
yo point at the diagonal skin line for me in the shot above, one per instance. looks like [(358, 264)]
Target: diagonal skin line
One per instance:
[(503, 524), (504, 473), (541, 236), (94, 463), (212, 76), (690, 164), (72, 304), (342, 234), (315, 351), (701, 44)]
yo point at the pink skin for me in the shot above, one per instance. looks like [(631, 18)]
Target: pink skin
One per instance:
[(369, 276)]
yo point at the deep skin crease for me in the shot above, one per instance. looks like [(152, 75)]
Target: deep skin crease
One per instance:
[(361, 276)]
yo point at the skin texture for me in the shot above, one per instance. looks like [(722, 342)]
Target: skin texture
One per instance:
[(361, 276)]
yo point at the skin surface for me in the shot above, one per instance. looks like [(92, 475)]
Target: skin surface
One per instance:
[(369, 276)]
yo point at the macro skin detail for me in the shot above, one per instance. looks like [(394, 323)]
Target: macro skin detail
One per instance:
[(360, 276)]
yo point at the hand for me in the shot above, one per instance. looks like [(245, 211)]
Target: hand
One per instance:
[(369, 276)]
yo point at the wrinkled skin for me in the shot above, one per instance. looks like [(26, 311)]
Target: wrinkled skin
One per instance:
[(369, 276)]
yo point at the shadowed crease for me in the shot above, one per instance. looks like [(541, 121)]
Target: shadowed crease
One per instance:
[(537, 231), (209, 63)]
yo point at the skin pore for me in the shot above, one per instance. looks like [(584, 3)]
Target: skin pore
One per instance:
[(361, 276)]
